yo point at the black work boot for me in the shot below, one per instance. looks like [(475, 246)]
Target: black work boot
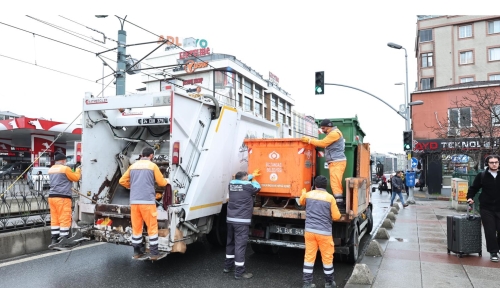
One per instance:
[(309, 285), (245, 275), (53, 240), (138, 252)]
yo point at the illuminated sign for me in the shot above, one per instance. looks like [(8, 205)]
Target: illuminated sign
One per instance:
[(192, 81), (20, 149), (174, 42), (191, 66), (195, 53)]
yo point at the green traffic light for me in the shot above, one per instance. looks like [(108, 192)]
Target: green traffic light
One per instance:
[(318, 89)]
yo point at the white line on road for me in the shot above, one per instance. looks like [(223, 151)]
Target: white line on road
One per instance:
[(48, 255)]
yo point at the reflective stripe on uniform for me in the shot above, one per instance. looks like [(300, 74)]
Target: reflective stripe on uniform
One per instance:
[(308, 271), (239, 220), (153, 240), (239, 263), (229, 256)]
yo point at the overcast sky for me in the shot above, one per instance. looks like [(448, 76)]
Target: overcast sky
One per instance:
[(347, 41)]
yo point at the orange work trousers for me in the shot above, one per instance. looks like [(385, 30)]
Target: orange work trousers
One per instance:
[(141, 213), (326, 247), (60, 215), (336, 172)]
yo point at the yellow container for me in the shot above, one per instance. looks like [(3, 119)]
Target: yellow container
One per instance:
[(286, 165)]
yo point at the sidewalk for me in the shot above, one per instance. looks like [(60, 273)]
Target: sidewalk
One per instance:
[(416, 253)]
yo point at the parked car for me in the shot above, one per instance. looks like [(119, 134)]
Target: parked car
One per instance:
[(13, 170), (39, 174)]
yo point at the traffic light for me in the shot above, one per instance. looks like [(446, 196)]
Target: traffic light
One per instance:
[(408, 140), (320, 83)]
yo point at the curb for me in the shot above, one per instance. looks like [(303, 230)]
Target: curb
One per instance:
[(18, 243)]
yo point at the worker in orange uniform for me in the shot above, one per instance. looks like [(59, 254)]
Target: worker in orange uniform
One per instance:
[(334, 145), (140, 178), (60, 195), (321, 209)]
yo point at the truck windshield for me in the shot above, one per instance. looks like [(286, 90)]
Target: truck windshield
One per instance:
[(6, 167)]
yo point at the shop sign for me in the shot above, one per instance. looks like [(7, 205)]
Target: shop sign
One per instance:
[(438, 145), (191, 66), (194, 53), (96, 101), (174, 42), (192, 81), (274, 78)]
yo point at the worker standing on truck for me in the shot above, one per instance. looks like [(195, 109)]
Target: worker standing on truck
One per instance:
[(60, 195), (334, 145), (239, 216), (140, 178), (321, 209)]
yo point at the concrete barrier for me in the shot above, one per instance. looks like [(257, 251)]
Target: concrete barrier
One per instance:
[(387, 224), (23, 242), (361, 275), (382, 233), (395, 205), (374, 249), (394, 210), (391, 216)]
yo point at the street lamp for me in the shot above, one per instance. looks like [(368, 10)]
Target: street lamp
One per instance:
[(410, 199)]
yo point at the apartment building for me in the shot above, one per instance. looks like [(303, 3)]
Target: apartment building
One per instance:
[(453, 49), (225, 77)]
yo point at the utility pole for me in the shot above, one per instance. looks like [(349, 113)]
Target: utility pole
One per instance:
[(121, 63)]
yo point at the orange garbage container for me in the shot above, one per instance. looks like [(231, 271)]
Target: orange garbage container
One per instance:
[(286, 165)]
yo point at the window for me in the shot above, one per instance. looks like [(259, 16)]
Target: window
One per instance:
[(248, 87), (282, 118), (494, 54), (465, 31), (494, 27), (289, 120), (275, 101), (466, 57), (257, 92), (466, 79), (426, 60), (494, 77), (427, 83), (258, 108), (289, 108), (495, 115), (248, 104), (459, 118), (275, 115), (240, 99), (425, 35), (282, 104)]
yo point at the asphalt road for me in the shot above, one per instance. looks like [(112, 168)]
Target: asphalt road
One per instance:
[(108, 265)]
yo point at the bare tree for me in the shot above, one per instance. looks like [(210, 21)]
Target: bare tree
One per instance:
[(476, 116)]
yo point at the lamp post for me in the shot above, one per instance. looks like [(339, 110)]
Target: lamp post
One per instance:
[(410, 198)]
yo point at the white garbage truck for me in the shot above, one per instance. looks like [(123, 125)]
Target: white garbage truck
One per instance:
[(198, 146)]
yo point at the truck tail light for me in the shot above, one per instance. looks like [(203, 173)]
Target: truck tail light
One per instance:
[(175, 153)]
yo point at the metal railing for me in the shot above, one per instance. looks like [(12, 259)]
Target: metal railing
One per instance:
[(24, 204)]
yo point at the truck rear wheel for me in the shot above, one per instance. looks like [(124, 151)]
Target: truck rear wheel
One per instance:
[(353, 246), (218, 235)]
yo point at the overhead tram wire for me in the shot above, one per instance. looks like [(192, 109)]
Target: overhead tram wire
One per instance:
[(224, 72)]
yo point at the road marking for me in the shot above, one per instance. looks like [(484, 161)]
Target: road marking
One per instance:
[(48, 255)]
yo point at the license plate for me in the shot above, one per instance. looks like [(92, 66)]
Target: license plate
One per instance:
[(288, 231), (153, 121)]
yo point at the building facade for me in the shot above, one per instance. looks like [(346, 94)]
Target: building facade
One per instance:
[(453, 49), (24, 139), (199, 72)]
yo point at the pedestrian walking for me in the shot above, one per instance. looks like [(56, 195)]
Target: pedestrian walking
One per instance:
[(239, 217), (489, 198), (397, 186), (140, 178), (321, 209), (60, 196)]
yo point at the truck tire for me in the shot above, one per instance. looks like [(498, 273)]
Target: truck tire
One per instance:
[(353, 246), (218, 235), (369, 216)]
